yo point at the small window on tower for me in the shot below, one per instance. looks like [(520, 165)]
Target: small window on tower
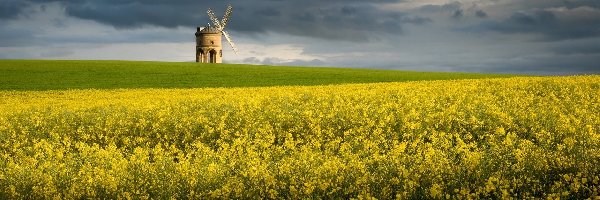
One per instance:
[(211, 42)]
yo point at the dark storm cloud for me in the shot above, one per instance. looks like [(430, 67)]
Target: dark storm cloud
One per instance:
[(542, 4), (545, 23), (134, 14), (552, 24), (527, 22), (481, 14), (268, 12), (578, 47), (449, 7), (458, 14), (564, 3), (11, 8), (334, 19), (343, 21), (452, 9)]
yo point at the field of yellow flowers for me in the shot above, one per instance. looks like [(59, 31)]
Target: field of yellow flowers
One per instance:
[(513, 137)]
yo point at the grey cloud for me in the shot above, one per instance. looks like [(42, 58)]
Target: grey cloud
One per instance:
[(313, 62), (416, 20), (337, 22), (552, 24), (268, 12), (16, 37), (329, 21), (136, 37), (568, 3), (449, 7), (349, 10), (589, 47), (305, 17), (56, 53), (283, 62), (354, 19), (272, 61), (251, 60), (548, 64), (543, 4), (131, 15), (11, 8), (538, 18), (481, 14), (458, 14), (453, 9)]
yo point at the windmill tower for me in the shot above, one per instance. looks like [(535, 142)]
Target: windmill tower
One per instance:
[(208, 39)]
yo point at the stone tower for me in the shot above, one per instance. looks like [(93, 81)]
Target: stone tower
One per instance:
[(208, 45)]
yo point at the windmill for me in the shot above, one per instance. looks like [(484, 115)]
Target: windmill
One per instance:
[(208, 39)]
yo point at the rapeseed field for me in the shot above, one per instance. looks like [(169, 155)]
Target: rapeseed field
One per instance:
[(523, 137)]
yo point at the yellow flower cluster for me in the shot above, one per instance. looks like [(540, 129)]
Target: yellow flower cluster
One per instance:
[(528, 137)]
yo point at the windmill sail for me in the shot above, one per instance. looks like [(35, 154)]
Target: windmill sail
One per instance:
[(214, 19), (230, 41), (221, 25), (227, 15)]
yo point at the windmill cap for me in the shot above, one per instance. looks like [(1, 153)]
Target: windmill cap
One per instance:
[(210, 29)]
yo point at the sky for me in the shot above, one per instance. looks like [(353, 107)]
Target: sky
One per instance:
[(490, 36)]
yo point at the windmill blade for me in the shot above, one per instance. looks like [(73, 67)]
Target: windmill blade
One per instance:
[(214, 19), (230, 41), (227, 15)]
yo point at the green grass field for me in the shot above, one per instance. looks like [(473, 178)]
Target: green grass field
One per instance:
[(76, 74)]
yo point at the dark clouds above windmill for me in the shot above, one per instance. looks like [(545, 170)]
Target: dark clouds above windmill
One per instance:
[(349, 20), (466, 35)]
